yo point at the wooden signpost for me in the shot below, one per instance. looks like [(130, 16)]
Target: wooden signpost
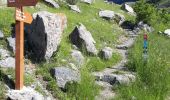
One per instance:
[(20, 17)]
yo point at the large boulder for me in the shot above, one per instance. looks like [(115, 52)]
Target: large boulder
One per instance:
[(44, 34), (52, 3), (167, 32), (11, 43), (82, 38), (64, 75), (88, 1), (1, 34), (128, 8), (108, 14)]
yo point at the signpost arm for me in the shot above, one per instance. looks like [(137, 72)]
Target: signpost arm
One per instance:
[(19, 55)]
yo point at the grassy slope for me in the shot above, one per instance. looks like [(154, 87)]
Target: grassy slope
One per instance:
[(103, 32)]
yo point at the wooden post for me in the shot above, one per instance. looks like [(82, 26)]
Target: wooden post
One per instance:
[(19, 55), (20, 18)]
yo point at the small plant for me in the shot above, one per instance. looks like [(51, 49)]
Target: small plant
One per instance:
[(72, 2)]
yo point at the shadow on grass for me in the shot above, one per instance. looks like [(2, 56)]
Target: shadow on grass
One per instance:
[(5, 78)]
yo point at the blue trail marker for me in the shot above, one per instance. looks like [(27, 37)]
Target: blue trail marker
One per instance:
[(145, 47)]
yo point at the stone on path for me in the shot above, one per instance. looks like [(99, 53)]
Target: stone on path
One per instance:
[(127, 44), (107, 53), (45, 33), (82, 38), (64, 75)]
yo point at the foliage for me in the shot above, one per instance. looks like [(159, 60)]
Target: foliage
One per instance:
[(152, 77), (86, 89), (146, 12)]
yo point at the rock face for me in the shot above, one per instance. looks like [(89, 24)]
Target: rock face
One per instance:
[(8, 62), (64, 75), (11, 42), (1, 34), (25, 94), (107, 14), (88, 1), (128, 8), (107, 53), (45, 33), (167, 32), (52, 3), (77, 57), (75, 8), (83, 38)]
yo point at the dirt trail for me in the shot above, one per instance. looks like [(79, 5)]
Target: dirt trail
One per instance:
[(107, 78)]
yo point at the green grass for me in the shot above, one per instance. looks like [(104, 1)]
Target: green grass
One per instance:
[(153, 77), (104, 32)]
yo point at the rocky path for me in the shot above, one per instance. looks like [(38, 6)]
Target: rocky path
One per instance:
[(117, 74)]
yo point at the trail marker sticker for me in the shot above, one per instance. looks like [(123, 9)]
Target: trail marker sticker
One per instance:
[(20, 17)]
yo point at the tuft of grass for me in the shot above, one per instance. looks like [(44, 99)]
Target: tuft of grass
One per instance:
[(98, 64), (86, 89)]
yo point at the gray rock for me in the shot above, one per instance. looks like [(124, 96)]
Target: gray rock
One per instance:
[(52, 3), (75, 8), (77, 57), (27, 93), (88, 1), (46, 33), (141, 25), (107, 53), (81, 37), (64, 75), (128, 8), (118, 79), (11, 42), (119, 18), (167, 32), (127, 44), (1, 34), (4, 53), (8, 62), (107, 14)]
